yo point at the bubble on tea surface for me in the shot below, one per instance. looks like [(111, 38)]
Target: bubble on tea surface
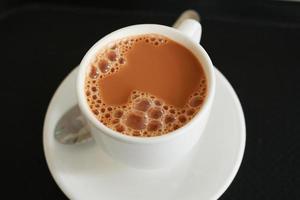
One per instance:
[(155, 113), (96, 112), (111, 55), (121, 60), (135, 96), (203, 81), (136, 133), (94, 89), (169, 119), (195, 101), (136, 120), (146, 134), (190, 111), (182, 118), (103, 66), (143, 105), (172, 111), (176, 126), (94, 73), (120, 128), (118, 113), (115, 121), (157, 102), (154, 125)]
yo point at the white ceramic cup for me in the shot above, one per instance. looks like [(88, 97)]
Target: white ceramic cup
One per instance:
[(159, 151)]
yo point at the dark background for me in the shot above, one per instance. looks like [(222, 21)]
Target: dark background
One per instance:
[(255, 44)]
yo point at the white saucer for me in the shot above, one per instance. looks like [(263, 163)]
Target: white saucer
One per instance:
[(84, 172)]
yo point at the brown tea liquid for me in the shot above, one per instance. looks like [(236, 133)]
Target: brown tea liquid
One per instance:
[(147, 85)]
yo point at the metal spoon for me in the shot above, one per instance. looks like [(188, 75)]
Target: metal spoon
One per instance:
[(71, 128)]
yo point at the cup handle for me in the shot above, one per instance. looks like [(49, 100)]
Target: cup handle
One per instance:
[(188, 24)]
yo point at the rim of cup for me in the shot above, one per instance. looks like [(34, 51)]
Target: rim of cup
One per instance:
[(135, 30)]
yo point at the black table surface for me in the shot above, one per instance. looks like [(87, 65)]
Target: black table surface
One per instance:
[(40, 45)]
